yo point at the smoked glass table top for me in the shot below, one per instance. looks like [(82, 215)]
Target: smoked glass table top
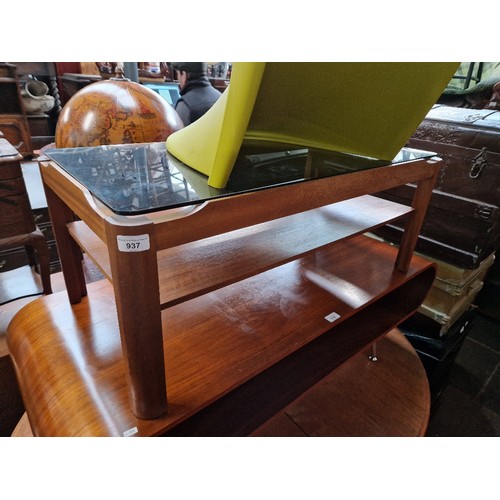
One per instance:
[(133, 179)]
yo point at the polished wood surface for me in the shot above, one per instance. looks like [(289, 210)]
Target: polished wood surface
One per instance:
[(23, 428), (211, 218), (420, 203), (70, 252), (138, 300), (72, 372), (25, 282), (137, 294), (7, 312), (389, 397), (240, 254)]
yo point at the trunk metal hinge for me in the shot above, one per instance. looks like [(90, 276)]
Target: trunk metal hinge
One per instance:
[(478, 163)]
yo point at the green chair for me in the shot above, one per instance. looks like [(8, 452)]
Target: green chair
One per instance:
[(363, 108)]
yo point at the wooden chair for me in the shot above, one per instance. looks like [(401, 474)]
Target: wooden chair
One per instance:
[(37, 252), (17, 223)]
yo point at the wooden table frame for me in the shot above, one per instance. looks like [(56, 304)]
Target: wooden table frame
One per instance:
[(140, 294)]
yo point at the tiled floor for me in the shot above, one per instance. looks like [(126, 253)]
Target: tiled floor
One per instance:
[(470, 404)]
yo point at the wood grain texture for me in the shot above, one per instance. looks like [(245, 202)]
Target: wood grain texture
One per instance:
[(387, 398), (25, 278), (23, 428), (413, 226), (71, 368), (139, 318), (359, 284), (225, 259), (69, 252), (260, 206)]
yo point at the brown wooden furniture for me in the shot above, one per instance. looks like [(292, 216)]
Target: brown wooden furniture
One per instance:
[(20, 283), (15, 258), (74, 82), (13, 121), (227, 373), (17, 224), (361, 398), (230, 299), (41, 125), (23, 428)]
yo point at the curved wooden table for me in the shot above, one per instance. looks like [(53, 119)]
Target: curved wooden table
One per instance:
[(362, 398), (389, 397)]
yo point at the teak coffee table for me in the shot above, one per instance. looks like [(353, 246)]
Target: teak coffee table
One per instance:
[(221, 305)]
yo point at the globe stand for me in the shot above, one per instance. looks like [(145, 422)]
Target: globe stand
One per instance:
[(120, 73)]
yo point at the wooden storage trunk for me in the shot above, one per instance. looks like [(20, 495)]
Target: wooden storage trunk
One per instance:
[(461, 231), (468, 141), (462, 223)]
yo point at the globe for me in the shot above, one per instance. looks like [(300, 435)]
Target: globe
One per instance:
[(115, 111)]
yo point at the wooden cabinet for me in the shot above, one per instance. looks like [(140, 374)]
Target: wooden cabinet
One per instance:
[(13, 122)]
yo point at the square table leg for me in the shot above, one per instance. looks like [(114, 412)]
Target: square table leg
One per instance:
[(137, 296)]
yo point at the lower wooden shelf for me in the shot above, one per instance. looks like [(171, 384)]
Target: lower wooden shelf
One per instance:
[(361, 398), (233, 357), (239, 254)]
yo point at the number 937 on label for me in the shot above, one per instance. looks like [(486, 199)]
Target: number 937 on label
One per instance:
[(136, 243)]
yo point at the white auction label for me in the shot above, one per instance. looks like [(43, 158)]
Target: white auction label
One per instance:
[(136, 243), (332, 317), (131, 432)]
